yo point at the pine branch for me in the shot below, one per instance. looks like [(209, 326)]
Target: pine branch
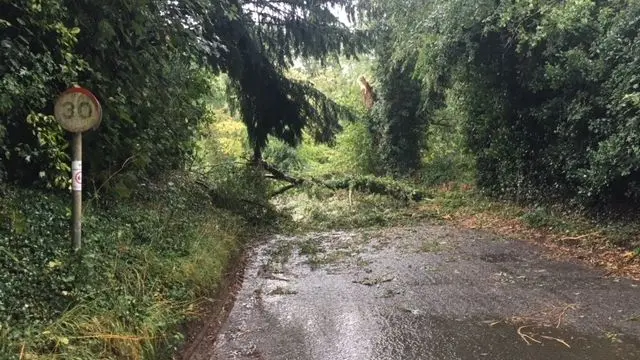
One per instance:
[(279, 175)]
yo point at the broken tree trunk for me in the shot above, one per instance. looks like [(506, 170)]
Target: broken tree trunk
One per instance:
[(366, 184)]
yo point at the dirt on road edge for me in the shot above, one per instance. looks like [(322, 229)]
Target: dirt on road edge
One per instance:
[(201, 333)]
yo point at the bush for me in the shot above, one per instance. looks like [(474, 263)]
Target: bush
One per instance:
[(35, 63), (562, 117), (354, 153)]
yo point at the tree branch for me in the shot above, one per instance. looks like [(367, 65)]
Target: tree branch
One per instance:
[(283, 190)]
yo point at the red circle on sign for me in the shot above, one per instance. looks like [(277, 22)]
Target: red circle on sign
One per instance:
[(78, 178)]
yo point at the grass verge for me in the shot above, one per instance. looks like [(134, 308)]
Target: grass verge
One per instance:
[(148, 264)]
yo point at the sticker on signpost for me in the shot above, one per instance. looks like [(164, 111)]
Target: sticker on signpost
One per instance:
[(76, 175)]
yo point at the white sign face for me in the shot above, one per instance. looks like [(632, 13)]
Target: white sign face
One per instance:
[(78, 110)]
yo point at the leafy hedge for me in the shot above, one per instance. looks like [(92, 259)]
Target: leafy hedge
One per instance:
[(554, 113), (550, 90)]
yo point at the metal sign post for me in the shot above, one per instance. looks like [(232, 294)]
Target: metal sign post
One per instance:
[(77, 110)]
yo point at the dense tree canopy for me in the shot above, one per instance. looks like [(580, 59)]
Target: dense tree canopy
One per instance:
[(270, 103), (147, 61), (550, 89)]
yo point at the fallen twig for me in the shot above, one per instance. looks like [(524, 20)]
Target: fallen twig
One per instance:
[(370, 282), (550, 316), (573, 238), (556, 339), (277, 277), (527, 336), (544, 318), (563, 312)]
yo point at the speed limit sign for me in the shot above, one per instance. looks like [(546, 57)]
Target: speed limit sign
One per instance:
[(78, 110)]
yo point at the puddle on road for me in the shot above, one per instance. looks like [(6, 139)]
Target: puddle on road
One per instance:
[(407, 336)]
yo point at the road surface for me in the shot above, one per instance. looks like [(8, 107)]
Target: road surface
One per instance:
[(424, 292)]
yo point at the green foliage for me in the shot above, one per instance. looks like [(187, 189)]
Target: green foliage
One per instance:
[(320, 209), (232, 183), (241, 189), (36, 58), (149, 63), (377, 185), (148, 81), (354, 151), (447, 157), (538, 218), (397, 123), (549, 89), (149, 88), (221, 139), (338, 79), (560, 127), (283, 156), (270, 103), (144, 265)]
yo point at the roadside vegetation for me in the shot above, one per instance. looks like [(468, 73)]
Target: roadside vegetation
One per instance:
[(224, 121), (148, 264)]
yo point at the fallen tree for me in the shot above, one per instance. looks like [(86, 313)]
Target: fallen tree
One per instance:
[(253, 206), (366, 184)]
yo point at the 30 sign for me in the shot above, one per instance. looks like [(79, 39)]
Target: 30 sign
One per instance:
[(78, 110)]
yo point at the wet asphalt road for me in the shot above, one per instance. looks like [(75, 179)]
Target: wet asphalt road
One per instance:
[(427, 292)]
